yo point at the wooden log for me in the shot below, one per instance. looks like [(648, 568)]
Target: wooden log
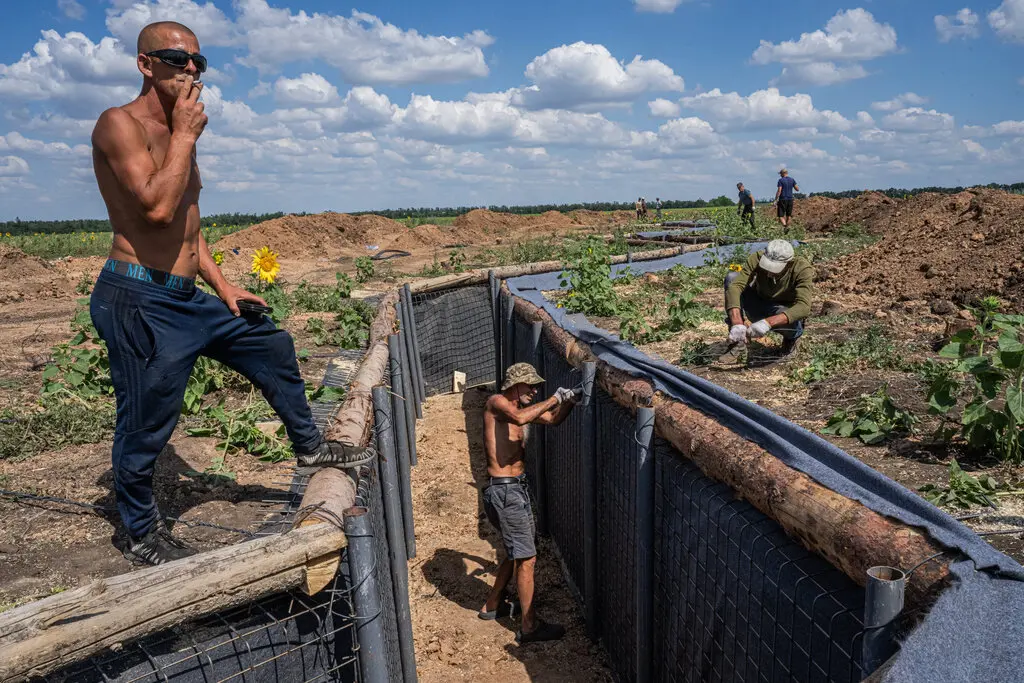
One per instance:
[(331, 492), (475, 277), (44, 636), (843, 531)]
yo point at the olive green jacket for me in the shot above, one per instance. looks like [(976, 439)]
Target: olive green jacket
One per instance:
[(793, 286)]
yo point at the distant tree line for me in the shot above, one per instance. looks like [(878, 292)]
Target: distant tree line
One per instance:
[(20, 227), (899, 192)]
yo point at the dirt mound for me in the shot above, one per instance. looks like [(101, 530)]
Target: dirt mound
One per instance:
[(16, 265), (319, 234), (954, 247), (873, 210), (438, 237), (598, 219), (509, 224)]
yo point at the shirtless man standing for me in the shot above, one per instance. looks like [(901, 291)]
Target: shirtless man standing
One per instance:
[(146, 306), (507, 499)]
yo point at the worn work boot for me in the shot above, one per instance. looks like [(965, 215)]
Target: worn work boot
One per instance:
[(543, 631), (334, 454), (790, 346), (158, 546), (732, 354)]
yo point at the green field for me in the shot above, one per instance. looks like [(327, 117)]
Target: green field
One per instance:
[(54, 245)]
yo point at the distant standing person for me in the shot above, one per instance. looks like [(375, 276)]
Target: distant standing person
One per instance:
[(638, 208), (506, 497), (784, 197), (657, 208), (745, 208), (643, 207)]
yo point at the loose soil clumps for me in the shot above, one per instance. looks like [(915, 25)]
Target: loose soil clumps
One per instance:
[(324, 234), (948, 247)]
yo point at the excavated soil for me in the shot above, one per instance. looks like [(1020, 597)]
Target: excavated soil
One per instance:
[(317, 235), (873, 210), (32, 277), (940, 248)]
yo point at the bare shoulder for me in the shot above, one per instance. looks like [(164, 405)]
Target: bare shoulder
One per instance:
[(116, 124), (493, 402)]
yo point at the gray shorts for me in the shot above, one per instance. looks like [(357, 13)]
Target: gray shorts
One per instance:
[(508, 509)]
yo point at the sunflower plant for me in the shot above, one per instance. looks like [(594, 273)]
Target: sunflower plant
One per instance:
[(265, 265), (263, 281)]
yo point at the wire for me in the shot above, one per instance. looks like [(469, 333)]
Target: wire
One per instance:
[(19, 496)]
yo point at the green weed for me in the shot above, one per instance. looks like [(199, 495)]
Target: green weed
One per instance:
[(872, 419), (870, 348), (324, 298), (364, 269), (964, 491), (587, 271), (54, 424)]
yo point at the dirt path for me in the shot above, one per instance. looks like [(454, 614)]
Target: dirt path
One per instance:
[(456, 558)]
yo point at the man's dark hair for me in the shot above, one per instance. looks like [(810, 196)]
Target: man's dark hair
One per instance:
[(150, 37)]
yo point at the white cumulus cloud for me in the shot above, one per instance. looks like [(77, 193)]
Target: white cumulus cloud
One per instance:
[(72, 72), (850, 36), (819, 73), (659, 6), (583, 75), (1007, 20), (963, 24), (764, 109), (307, 89), (907, 99), (664, 109), (71, 9), (13, 167), (362, 47), (918, 120), (207, 21)]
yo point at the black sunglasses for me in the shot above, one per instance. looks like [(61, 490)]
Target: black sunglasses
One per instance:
[(179, 59)]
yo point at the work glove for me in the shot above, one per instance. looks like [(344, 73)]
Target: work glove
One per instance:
[(759, 329), (738, 334), (563, 394)]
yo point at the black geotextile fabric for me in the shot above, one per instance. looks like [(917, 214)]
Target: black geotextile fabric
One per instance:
[(455, 332), (823, 462)]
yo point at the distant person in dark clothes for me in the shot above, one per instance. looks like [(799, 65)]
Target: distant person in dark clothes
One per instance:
[(774, 290), (784, 197), (745, 208), (507, 498)]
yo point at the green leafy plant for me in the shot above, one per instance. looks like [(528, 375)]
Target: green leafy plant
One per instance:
[(55, 423), (239, 432), (323, 394), (364, 269), (872, 419), (456, 261), (434, 269), (990, 356), (207, 376), (694, 353), (587, 271), (349, 329), (84, 286), (324, 298), (963, 490), (80, 367), (274, 294), (870, 347)]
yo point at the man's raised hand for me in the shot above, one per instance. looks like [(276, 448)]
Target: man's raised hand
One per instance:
[(188, 116)]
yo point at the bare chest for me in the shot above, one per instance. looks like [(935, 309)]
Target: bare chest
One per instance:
[(158, 141)]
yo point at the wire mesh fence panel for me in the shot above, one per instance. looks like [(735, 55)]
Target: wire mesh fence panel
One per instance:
[(736, 599), (617, 533), (286, 637), (563, 472), (369, 496), (455, 332)]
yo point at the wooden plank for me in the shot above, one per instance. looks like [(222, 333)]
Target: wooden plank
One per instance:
[(845, 532), (41, 637)]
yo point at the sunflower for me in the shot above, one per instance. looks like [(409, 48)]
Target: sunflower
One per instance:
[(735, 267), (265, 265), (218, 258)]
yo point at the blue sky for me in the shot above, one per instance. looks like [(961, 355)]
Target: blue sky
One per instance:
[(318, 105)]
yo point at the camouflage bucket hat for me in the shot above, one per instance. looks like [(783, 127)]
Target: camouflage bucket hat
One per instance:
[(521, 373)]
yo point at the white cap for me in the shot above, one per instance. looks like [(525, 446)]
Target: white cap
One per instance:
[(777, 256)]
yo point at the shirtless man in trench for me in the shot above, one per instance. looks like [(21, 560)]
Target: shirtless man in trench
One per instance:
[(507, 498), (146, 306)]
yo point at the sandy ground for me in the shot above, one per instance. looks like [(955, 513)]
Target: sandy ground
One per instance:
[(457, 553)]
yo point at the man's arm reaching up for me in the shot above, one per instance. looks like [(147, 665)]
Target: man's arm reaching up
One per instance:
[(506, 411)]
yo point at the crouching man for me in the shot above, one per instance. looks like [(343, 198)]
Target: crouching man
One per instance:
[(507, 498), (773, 290)]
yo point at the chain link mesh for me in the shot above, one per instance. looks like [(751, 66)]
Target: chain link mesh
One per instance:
[(455, 332)]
